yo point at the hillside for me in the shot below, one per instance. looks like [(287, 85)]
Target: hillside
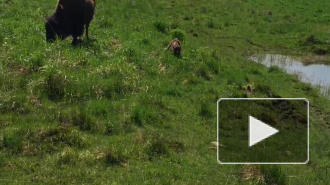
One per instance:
[(120, 110)]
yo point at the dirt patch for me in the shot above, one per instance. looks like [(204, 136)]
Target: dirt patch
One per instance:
[(252, 172)]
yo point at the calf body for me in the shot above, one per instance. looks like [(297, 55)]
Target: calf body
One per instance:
[(175, 47), (70, 19)]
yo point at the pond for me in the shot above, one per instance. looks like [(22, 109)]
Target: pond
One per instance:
[(316, 74)]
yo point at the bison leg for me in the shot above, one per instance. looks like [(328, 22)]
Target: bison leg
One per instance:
[(78, 32), (87, 26), (75, 41)]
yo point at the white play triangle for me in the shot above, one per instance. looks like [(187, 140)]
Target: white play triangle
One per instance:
[(259, 131)]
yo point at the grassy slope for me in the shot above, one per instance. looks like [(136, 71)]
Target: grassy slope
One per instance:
[(120, 109)]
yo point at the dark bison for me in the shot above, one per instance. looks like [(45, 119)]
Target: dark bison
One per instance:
[(175, 47), (70, 18)]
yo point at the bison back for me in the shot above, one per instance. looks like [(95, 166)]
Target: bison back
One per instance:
[(77, 10)]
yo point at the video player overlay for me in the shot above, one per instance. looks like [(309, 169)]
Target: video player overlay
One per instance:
[(265, 131)]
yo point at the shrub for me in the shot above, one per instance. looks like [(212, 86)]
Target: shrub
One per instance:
[(161, 26), (177, 33)]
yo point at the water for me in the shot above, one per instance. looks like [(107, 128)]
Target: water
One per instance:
[(315, 74)]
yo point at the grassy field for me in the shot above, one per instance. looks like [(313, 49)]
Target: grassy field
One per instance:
[(121, 110)]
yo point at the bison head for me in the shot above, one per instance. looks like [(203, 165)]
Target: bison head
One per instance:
[(53, 29)]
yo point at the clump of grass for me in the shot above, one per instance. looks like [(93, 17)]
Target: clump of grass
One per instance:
[(174, 25), (145, 41), (195, 34), (112, 157), (274, 69), (51, 139), (205, 110), (142, 115), (157, 148), (36, 63), (159, 145), (67, 156), (231, 81), (2, 159), (12, 142), (138, 115), (83, 120), (311, 40), (256, 72), (192, 80), (177, 146), (178, 33), (112, 89), (213, 66), (14, 104), (273, 174), (105, 23), (140, 137), (55, 84), (238, 94), (1, 140), (307, 88), (210, 24), (320, 50), (188, 18), (1, 39), (203, 54), (111, 128), (263, 88), (161, 26), (204, 73), (315, 45), (174, 92), (131, 54)]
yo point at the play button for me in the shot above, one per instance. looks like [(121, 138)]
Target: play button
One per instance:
[(263, 131), (259, 131)]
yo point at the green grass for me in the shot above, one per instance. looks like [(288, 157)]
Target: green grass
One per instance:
[(119, 109)]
